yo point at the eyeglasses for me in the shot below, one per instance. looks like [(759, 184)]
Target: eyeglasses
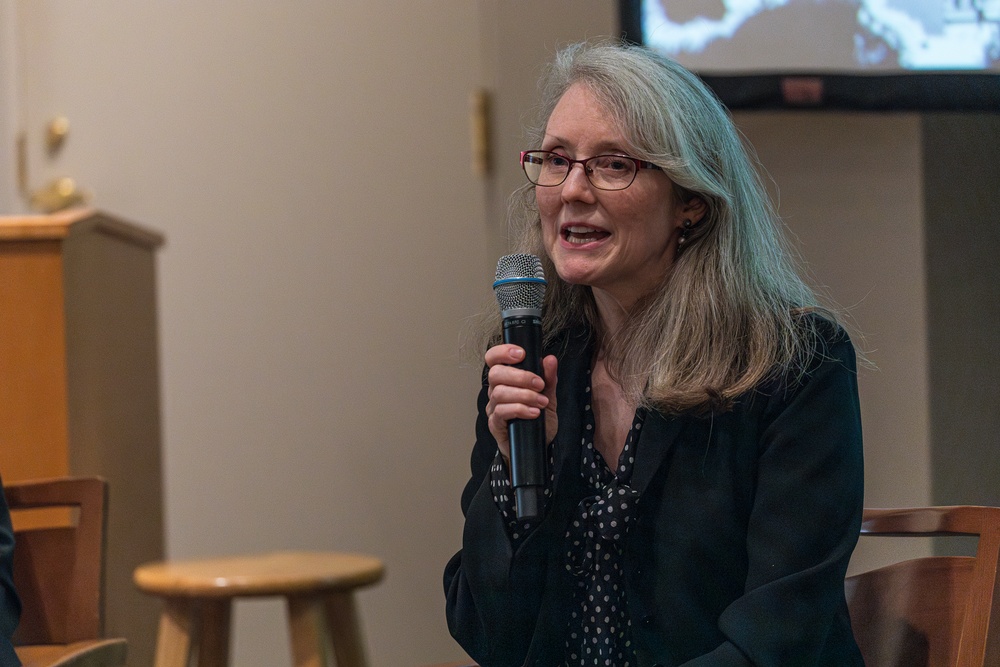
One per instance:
[(605, 172)]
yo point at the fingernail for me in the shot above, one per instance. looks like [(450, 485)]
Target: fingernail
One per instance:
[(537, 383)]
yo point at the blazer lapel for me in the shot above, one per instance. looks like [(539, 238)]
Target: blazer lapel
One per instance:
[(659, 433), (574, 364)]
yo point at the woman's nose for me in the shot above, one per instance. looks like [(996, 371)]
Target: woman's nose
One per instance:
[(577, 183)]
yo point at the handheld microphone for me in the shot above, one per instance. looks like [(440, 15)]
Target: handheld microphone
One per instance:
[(520, 289)]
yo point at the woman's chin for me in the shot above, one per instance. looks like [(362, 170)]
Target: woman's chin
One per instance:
[(575, 276)]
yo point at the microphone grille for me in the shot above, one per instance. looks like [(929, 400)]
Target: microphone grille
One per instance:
[(520, 282)]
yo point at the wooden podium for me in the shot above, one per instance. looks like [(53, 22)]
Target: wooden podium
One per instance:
[(79, 384)]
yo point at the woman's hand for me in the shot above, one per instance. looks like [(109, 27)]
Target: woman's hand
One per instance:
[(518, 394)]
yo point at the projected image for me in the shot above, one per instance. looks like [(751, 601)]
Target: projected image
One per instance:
[(884, 36)]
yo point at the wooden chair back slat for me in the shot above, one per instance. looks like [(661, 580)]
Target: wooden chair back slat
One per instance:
[(940, 611), (58, 570)]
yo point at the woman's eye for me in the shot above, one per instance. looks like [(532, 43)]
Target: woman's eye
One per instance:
[(612, 164), (556, 160)]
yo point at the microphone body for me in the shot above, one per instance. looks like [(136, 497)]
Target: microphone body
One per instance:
[(527, 436), (520, 289)]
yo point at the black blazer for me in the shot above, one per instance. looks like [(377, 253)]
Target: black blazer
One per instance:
[(745, 524), (10, 604)]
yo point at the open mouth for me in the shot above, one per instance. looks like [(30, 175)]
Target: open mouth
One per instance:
[(580, 234)]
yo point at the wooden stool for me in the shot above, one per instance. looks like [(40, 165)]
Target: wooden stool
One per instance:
[(318, 587)]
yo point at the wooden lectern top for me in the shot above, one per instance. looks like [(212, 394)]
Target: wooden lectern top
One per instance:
[(59, 225)]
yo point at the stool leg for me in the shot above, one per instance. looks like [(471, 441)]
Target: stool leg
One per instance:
[(324, 627), (213, 635), (174, 642), (308, 629), (345, 629), (190, 628)]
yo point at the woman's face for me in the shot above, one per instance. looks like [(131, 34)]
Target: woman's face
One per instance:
[(622, 242)]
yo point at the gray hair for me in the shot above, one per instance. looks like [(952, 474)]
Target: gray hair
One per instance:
[(728, 313)]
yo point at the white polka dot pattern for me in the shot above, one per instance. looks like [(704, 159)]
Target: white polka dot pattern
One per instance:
[(599, 625), (503, 496)]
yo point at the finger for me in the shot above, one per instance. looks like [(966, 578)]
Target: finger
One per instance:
[(506, 395), (505, 353), (501, 375), (550, 369), (498, 428), (505, 412)]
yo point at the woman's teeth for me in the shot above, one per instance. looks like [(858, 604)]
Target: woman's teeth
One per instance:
[(582, 234)]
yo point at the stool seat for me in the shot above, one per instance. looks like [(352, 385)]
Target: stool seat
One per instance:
[(318, 588), (279, 573)]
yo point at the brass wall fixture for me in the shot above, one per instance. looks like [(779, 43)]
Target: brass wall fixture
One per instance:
[(479, 123), (55, 135), (60, 193)]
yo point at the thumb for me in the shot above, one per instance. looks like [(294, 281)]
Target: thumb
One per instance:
[(550, 367)]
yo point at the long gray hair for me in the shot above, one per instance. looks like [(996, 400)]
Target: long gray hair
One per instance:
[(728, 314)]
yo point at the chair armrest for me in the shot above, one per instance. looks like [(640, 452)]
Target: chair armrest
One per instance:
[(91, 653)]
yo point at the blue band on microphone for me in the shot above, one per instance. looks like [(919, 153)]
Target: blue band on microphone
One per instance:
[(519, 279)]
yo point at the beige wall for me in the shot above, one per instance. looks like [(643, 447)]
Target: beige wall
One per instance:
[(326, 241), (308, 163), (8, 103)]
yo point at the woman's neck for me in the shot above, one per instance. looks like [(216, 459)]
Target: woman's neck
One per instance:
[(610, 311)]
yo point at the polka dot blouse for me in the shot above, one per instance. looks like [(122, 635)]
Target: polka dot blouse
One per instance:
[(599, 631)]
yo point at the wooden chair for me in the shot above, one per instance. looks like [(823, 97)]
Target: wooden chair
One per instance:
[(58, 571), (940, 611)]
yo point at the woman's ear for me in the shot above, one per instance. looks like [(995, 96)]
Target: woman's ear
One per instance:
[(694, 209)]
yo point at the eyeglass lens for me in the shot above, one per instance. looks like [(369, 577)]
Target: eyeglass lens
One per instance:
[(607, 172)]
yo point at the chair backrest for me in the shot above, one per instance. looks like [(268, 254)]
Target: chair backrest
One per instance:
[(939, 611), (58, 569)]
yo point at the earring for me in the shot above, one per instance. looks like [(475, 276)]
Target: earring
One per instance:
[(685, 230)]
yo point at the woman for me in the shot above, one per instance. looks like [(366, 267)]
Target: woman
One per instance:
[(706, 458)]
